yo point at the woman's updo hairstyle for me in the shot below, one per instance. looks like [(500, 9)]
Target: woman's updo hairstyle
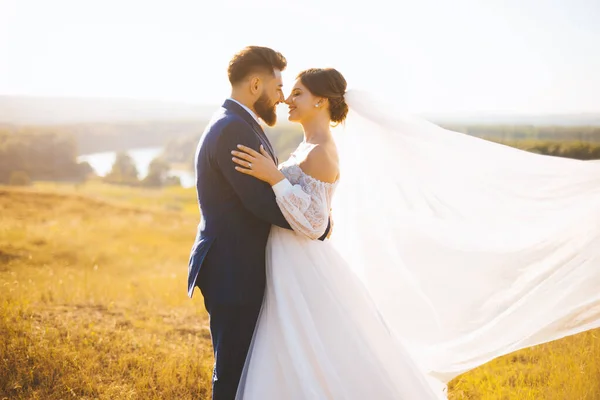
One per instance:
[(328, 83)]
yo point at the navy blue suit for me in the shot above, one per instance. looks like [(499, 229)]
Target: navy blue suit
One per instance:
[(227, 261)]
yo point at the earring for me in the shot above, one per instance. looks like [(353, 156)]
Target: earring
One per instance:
[(316, 105)]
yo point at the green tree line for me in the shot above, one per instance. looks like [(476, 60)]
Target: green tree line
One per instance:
[(581, 143), (52, 156), (124, 172), (26, 156), (121, 136), (576, 150), (50, 153), (515, 133)]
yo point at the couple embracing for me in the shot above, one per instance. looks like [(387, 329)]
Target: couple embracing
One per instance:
[(288, 319), (457, 238)]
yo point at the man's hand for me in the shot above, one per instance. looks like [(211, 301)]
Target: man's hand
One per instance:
[(331, 226)]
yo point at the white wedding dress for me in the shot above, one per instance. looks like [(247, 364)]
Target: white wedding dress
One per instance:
[(447, 252), (319, 334)]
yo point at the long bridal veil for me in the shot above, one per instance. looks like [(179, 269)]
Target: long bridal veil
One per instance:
[(470, 249)]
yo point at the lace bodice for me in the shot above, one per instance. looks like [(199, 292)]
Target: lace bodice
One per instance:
[(307, 205)]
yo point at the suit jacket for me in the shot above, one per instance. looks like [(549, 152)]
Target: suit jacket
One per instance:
[(237, 212)]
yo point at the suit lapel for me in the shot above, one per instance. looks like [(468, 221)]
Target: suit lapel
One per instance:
[(236, 108), (267, 143)]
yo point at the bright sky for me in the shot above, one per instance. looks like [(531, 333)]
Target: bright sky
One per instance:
[(434, 55)]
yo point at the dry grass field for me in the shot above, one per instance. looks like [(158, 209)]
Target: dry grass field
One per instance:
[(93, 305)]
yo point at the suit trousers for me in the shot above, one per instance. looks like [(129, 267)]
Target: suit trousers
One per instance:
[(232, 326)]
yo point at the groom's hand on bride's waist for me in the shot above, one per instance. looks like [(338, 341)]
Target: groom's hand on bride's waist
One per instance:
[(329, 230)]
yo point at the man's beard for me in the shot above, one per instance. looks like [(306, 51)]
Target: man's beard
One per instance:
[(265, 110)]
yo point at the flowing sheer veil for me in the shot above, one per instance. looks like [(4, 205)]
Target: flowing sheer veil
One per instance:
[(471, 249)]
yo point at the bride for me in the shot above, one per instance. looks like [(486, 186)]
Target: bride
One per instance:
[(448, 251)]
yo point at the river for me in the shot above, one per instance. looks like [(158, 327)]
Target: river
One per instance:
[(103, 162)]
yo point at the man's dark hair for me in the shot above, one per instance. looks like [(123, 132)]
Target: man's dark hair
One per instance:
[(254, 59)]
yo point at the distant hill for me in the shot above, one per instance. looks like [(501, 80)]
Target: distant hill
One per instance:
[(116, 124), (25, 110)]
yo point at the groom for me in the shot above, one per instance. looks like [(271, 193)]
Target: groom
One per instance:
[(227, 261)]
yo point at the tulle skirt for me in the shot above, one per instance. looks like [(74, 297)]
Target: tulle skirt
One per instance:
[(320, 336)]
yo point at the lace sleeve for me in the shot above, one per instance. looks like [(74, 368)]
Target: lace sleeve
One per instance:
[(304, 206)]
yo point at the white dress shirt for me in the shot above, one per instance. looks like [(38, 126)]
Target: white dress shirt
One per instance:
[(247, 109), (282, 187)]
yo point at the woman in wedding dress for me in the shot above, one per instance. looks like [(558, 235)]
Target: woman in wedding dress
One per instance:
[(319, 335), (447, 251)]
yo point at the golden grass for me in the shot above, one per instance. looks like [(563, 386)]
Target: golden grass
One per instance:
[(93, 305), (567, 369), (174, 198), (93, 302)]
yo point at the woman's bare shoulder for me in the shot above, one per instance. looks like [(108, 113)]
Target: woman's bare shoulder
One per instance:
[(322, 163)]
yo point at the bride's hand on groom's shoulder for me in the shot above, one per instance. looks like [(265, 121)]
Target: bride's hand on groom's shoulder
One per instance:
[(259, 165)]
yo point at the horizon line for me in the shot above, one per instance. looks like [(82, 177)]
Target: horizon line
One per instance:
[(217, 104)]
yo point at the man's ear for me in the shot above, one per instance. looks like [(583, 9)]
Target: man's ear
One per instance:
[(255, 84)]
